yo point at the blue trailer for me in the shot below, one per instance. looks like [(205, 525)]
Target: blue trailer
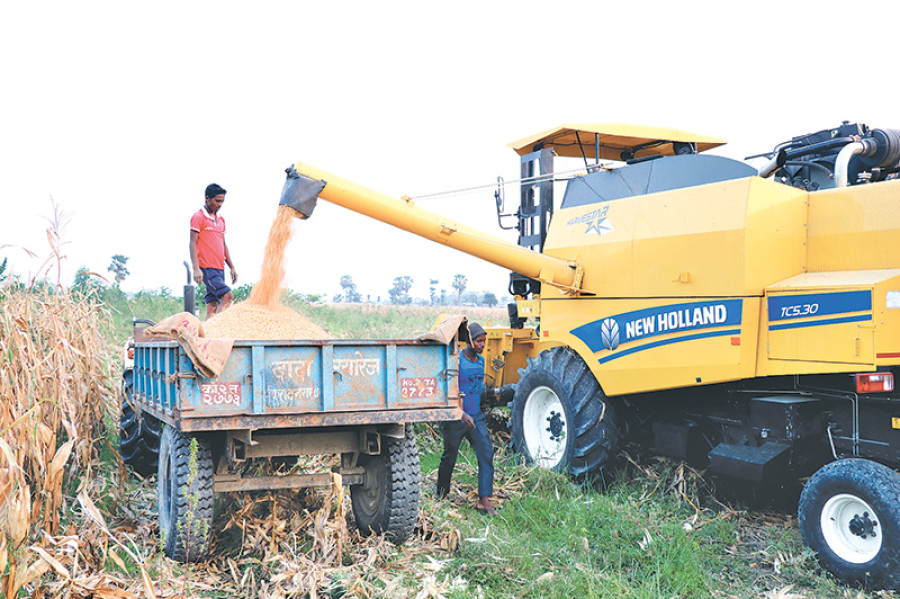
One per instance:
[(284, 399)]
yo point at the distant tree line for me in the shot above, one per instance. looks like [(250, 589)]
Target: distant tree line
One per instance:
[(399, 293)]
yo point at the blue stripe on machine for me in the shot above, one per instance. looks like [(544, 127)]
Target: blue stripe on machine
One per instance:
[(662, 342), (610, 332), (816, 323), (807, 305)]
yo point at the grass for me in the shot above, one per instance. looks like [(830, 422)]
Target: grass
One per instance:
[(380, 321), (633, 538)]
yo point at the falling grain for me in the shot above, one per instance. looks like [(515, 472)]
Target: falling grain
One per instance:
[(263, 316), (269, 289)]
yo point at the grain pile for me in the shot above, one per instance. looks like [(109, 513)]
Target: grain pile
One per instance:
[(263, 316), (248, 321)]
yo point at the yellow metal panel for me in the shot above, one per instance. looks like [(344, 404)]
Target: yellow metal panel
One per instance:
[(607, 255), (635, 346), (698, 231), (887, 323), (506, 351), (835, 318), (776, 234), (614, 138), (855, 227), (730, 238)]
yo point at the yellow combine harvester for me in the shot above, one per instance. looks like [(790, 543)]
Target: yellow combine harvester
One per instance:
[(744, 319)]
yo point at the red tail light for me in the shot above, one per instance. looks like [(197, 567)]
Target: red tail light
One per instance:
[(875, 382)]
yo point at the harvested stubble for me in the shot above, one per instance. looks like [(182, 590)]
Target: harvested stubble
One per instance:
[(248, 321)]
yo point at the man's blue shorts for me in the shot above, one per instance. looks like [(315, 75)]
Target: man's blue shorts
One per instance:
[(214, 279)]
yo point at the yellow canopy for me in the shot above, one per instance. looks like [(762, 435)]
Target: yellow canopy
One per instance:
[(615, 138)]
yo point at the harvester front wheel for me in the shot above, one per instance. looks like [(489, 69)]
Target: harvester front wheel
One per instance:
[(561, 419), (139, 432), (185, 495), (849, 515), (388, 501)]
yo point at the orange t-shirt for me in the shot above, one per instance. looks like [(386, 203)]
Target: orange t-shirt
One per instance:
[(210, 239)]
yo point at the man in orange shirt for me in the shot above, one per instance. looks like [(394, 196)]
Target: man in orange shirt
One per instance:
[(209, 254)]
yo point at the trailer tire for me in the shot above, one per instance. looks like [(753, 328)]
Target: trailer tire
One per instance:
[(849, 515), (139, 432), (561, 420), (185, 495), (388, 501)]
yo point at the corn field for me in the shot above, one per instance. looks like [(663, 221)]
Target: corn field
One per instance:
[(56, 394)]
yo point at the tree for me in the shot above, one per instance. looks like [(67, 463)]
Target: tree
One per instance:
[(350, 292), (117, 267), (400, 291), (86, 281), (433, 289), (243, 292), (459, 283), (490, 299)]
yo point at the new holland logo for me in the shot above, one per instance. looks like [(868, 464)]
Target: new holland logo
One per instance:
[(609, 334)]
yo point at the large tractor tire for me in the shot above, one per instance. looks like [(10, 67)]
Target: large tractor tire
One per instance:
[(561, 420), (139, 433), (185, 495), (388, 501), (850, 516)]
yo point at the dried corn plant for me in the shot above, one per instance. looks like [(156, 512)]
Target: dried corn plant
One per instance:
[(54, 397), (55, 393)]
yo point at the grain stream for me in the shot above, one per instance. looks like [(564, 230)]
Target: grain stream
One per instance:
[(263, 316)]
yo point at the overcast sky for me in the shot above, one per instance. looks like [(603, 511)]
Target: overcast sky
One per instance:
[(123, 112)]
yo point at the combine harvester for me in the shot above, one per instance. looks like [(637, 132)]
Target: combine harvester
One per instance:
[(743, 319)]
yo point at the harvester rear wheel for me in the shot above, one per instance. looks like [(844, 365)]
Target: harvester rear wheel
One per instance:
[(849, 515), (388, 501), (185, 495), (561, 419), (139, 433)]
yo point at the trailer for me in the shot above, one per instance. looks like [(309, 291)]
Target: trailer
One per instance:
[(284, 399)]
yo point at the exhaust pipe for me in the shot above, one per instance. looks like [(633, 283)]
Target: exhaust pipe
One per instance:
[(882, 146), (773, 165)]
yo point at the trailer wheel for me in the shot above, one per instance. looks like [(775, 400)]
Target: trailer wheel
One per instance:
[(139, 433), (388, 501), (850, 516), (185, 495), (560, 418)]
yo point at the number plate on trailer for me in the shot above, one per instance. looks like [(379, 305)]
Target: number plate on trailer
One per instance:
[(218, 394), (413, 388)]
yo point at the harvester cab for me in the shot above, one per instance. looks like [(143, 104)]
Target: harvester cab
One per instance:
[(603, 148)]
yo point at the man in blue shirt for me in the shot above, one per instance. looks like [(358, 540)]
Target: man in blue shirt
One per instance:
[(472, 426)]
